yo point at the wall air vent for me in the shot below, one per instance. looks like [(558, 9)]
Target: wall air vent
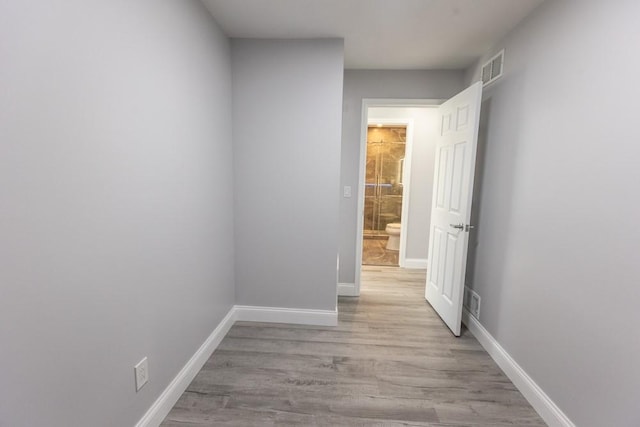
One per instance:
[(471, 301), (492, 69)]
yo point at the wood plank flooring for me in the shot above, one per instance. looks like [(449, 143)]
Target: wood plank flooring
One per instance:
[(389, 362)]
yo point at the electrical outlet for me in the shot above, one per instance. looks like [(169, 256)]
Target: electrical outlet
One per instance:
[(347, 191), (142, 373)]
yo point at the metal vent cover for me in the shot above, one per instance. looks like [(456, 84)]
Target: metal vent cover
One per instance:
[(492, 69)]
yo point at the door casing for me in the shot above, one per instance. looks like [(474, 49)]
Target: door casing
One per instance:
[(364, 123)]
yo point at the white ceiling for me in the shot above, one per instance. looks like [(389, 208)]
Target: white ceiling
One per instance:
[(381, 34)]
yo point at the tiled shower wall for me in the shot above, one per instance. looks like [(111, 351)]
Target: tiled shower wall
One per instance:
[(383, 193)]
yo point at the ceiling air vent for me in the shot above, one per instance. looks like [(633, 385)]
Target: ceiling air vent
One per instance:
[(492, 69)]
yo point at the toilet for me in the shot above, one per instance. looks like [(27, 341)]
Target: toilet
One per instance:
[(393, 230)]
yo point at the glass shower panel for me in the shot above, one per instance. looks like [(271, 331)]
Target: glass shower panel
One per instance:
[(383, 182)]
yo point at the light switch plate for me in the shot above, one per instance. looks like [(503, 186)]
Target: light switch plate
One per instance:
[(347, 191)]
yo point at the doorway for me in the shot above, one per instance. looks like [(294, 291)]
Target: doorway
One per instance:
[(383, 192), (413, 208), (454, 153)]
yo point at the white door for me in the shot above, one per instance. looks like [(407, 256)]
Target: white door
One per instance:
[(451, 205)]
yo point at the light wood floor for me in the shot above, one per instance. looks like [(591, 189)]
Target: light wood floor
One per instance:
[(389, 362)]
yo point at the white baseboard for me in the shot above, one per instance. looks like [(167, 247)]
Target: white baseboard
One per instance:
[(174, 390), (416, 263), (542, 403), (347, 290), (163, 404), (286, 315)]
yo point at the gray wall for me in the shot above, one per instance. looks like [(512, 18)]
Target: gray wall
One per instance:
[(360, 84), (425, 132), (116, 203), (287, 98), (556, 262)]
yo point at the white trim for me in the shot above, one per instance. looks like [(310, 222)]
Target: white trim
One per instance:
[(403, 102), (163, 404), (347, 290), (417, 263), (406, 192), (366, 104), (546, 408), (286, 315), (362, 166)]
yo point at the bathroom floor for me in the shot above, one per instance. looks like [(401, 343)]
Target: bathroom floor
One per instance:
[(374, 252)]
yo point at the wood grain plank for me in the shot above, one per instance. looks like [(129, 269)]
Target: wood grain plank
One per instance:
[(389, 362)]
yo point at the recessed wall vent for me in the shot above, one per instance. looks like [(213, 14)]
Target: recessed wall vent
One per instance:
[(492, 69), (471, 301)]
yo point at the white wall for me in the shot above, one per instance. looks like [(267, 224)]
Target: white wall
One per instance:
[(557, 258), (360, 84), (421, 181), (116, 203), (287, 98)]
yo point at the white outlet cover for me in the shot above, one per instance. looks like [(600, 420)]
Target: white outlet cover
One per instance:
[(142, 373)]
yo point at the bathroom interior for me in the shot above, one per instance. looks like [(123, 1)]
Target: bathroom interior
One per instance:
[(386, 146)]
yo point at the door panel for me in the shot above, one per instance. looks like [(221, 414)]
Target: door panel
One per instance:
[(435, 259), (456, 181), (440, 184), (451, 207), (450, 255)]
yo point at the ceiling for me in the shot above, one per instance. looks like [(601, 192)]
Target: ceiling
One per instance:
[(381, 34)]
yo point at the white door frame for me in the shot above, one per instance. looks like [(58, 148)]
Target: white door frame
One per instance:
[(364, 122)]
